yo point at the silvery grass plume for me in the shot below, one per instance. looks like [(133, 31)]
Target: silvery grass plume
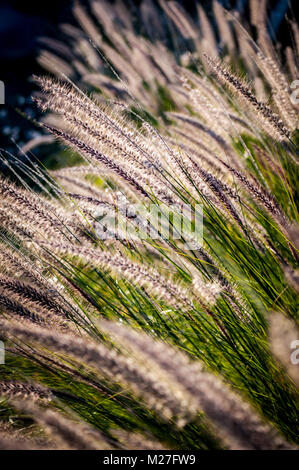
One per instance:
[(135, 62), (18, 390), (135, 441), (9, 442), (267, 119), (150, 170), (163, 397), (15, 439), (235, 420), (66, 433), (162, 128), (51, 428), (188, 386)]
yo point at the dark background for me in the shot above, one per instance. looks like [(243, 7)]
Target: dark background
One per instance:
[(23, 22)]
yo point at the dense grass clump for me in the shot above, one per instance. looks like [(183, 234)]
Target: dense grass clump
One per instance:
[(126, 326)]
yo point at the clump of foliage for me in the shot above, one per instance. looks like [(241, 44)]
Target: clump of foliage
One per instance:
[(135, 335)]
